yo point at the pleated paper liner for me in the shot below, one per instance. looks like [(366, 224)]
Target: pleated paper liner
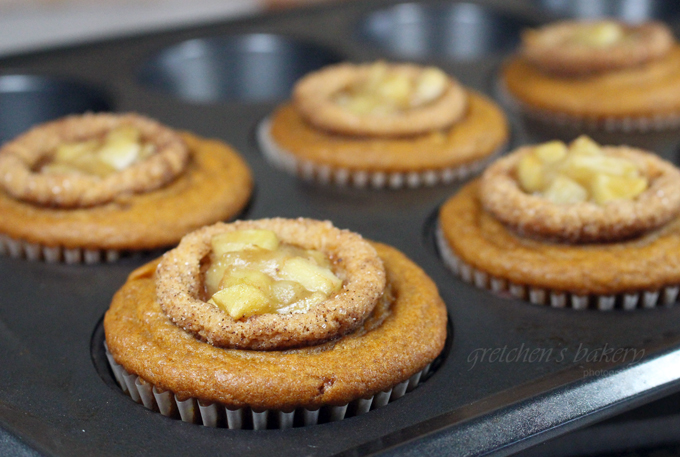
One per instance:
[(626, 124), (344, 177), (196, 411), (666, 296), (19, 249)]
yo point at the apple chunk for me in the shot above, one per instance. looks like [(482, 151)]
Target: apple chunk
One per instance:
[(241, 300), (244, 239), (312, 277), (608, 188), (122, 147), (578, 173), (251, 272)]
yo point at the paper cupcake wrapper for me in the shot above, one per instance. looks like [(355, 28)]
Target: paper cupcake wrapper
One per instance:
[(19, 249), (666, 296), (626, 124), (345, 177), (217, 415)]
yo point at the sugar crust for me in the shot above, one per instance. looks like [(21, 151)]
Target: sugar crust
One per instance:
[(20, 156), (587, 222), (179, 288), (312, 98)]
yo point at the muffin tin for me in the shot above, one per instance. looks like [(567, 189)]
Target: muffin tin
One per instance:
[(513, 374)]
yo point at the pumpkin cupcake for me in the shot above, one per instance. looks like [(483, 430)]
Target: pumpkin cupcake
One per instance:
[(292, 319), (383, 125), (578, 225), (604, 75), (86, 188)]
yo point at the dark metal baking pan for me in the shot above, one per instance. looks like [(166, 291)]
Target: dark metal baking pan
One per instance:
[(648, 431), (629, 10), (245, 68), (26, 100), (556, 373), (449, 30)]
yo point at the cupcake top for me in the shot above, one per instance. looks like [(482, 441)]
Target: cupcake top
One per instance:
[(379, 99), (576, 48), (89, 160), (404, 332), (270, 284), (582, 192)]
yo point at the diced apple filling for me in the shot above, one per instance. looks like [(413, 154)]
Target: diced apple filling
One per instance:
[(251, 272), (120, 148), (387, 91), (598, 34), (579, 172)]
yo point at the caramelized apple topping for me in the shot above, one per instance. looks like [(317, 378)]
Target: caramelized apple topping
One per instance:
[(597, 34), (580, 48), (380, 99), (387, 90), (120, 148), (579, 172), (251, 272)]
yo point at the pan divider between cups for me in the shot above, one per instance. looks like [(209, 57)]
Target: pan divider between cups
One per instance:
[(244, 68)]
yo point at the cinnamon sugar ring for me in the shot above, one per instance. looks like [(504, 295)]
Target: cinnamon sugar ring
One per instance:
[(20, 157), (583, 222), (313, 94), (554, 49), (180, 284)]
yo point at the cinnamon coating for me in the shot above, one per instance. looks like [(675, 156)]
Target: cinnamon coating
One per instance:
[(312, 97), (583, 222), (20, 158), (179, 287)]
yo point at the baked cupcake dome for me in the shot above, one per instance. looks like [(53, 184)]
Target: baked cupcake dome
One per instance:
[(602, 75), (387, 353), (318, 137), (76, 216), (636, 270)]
